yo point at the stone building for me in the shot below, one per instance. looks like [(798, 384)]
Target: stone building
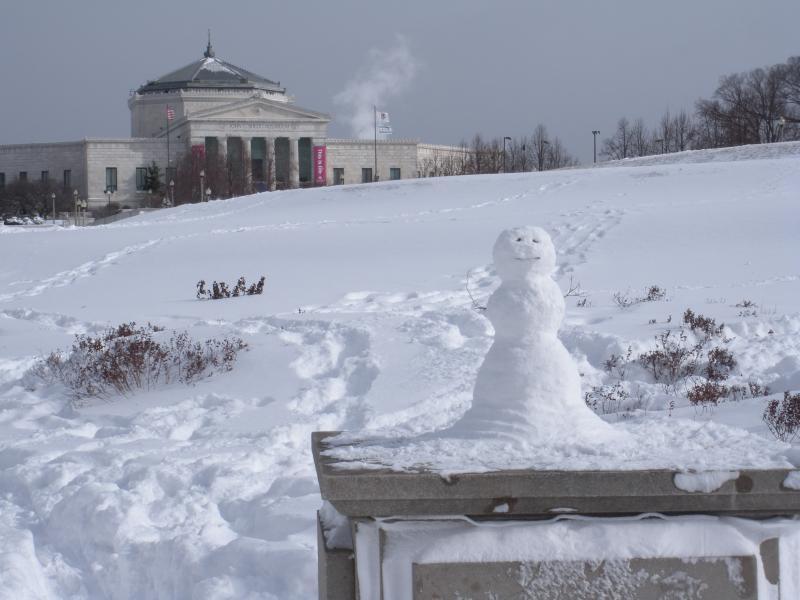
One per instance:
[(215, 109)]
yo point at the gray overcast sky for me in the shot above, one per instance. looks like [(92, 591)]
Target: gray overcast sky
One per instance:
[(495, 67)]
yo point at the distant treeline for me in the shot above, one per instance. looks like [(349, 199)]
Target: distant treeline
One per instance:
[(758, 106)]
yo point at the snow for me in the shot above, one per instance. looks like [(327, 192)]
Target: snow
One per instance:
[(707, 482), (792, 481), (365, 325), (558, 546)]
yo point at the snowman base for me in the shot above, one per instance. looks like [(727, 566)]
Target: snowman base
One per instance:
[(414, 531)]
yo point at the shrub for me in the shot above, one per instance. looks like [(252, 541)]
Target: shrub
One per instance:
[(782, 417), (128, 357), (720, 364), (672, 359), (707, 393), (653, 293), (220, 290), (705, 325), (748, 308)]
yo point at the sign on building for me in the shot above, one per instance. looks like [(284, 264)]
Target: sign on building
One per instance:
[(320, 165)]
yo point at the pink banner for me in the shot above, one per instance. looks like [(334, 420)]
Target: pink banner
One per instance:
[(320, 165)]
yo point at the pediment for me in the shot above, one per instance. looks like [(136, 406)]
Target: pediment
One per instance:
[(258, 109)]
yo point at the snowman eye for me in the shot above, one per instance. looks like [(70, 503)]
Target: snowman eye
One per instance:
[(519, 239), (534, 241)]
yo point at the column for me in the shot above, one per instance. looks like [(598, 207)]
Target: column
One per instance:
[(294, 164), (247, 176), (270, 144), (222, 149)]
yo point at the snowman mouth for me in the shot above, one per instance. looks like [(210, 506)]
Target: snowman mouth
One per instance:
[(532, 258)]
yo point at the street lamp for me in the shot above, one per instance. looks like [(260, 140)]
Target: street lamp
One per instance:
[(208, 194), (202, 188), (595, 132), (506, 138), (77, 204), (108, 194), (53, 198), (172, 192)]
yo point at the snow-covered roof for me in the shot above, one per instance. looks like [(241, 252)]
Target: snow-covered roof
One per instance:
[(212, 73)]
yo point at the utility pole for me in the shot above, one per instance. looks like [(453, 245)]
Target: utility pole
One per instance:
[(506, 138), (594, 134), (375, 124)]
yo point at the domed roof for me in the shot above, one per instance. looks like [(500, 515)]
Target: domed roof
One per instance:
[(210, 72)]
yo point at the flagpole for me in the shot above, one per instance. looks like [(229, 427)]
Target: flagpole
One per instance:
[(375, 122)]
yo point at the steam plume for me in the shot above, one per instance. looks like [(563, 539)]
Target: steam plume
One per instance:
[(387, 73)]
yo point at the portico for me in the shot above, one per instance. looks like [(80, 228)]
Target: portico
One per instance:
[(265, 163)]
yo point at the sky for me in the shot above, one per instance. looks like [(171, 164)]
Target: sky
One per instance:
[(444, 70)]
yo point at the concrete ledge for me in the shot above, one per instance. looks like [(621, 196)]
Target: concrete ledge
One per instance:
[(523, 493)]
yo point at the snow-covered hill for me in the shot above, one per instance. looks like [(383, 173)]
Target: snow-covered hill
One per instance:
[(366, 322)]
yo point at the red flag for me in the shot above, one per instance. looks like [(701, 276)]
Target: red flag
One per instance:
[(170, 113)]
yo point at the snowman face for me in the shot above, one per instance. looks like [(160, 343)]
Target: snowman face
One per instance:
[(524, 251)]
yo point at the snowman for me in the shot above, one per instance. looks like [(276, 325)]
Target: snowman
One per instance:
[(528, 389)]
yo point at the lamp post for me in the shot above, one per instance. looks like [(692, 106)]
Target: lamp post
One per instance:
[(506, 138), (53, 198), (172, 192), (208, 194), (202, 185), (594, 137), (75, 200), (108, 193)]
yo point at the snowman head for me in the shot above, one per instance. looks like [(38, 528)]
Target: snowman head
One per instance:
[(524, 251)]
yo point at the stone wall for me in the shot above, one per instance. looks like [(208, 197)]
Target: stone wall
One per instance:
[(410, 156), (354, 155), (126, 155), (54, 158)]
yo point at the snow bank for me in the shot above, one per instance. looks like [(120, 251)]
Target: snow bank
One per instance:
[(365, 325)]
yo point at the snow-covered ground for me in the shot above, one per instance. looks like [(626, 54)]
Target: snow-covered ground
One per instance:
[(365, 323)]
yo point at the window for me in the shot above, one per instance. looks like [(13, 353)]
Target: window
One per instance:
[(141, 179), (171, 175), (67, 179), (23, 176), (366, 175), (45, 176), (111, 179), (2, 180), (394, 173), (338, 176)]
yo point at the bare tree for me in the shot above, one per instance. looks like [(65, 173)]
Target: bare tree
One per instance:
[(618, 146), (640, 138), (540, 147)]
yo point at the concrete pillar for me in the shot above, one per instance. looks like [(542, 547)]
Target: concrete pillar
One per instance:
[(294, 164), (270, 166), (247, 174)]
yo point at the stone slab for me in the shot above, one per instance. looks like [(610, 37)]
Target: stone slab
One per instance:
[(538, 494), (335, 570), (730, 577)]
